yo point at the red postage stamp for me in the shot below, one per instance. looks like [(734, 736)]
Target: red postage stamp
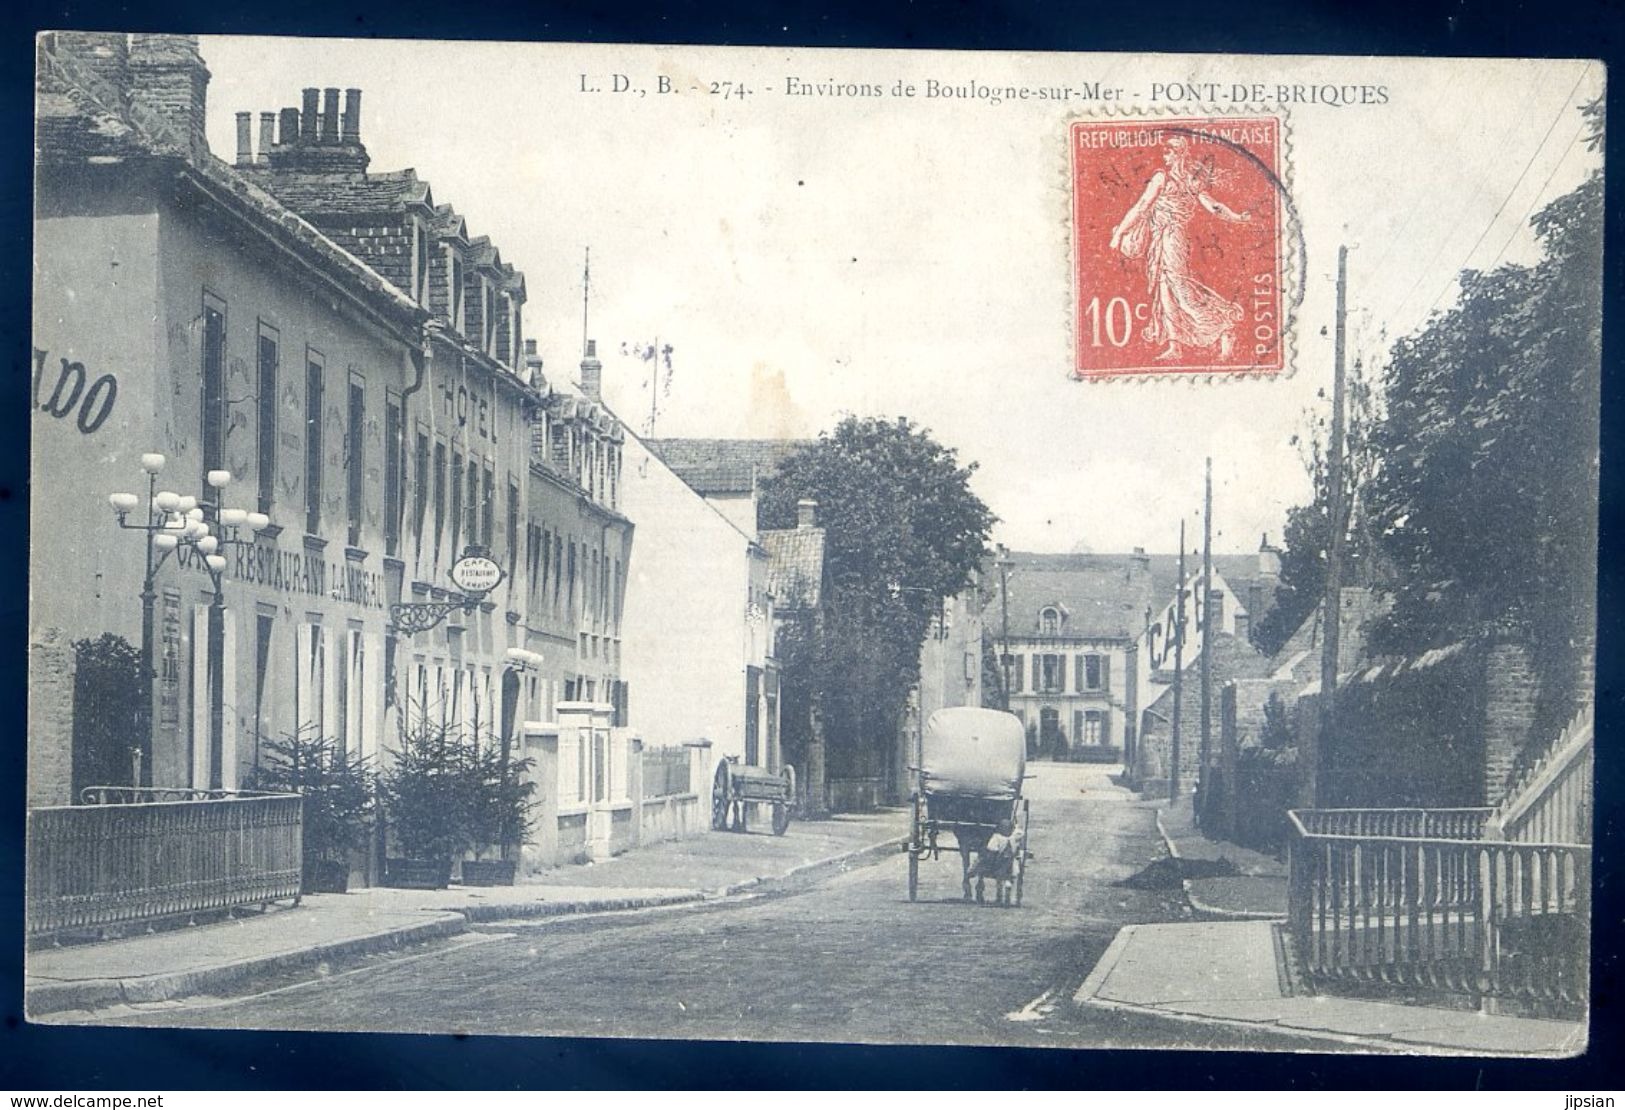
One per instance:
[(1177, 247)]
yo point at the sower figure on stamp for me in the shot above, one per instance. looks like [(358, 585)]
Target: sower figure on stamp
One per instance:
[(1184, 311)]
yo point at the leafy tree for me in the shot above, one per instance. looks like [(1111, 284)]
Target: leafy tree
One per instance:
[(106, 684), (1308, 527), (903, 531), (1487, 498)]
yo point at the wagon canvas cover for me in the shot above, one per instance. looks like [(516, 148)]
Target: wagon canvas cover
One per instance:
[(980, 753)]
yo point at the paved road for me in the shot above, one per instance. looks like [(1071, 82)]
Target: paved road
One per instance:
[(849, 959)]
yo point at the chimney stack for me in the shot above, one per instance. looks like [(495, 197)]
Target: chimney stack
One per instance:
[(267, 138), (533, 365), (288, 128), (352, 116), (245, 138), (169, 81), (806, 513), (330, 117), (1269, 558), (592, 373), (309, 114), (107, 54)]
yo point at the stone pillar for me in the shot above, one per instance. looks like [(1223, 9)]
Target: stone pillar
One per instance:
[(50, 718), (699, 776), (1510, 689), (634, 757), (541, 743)]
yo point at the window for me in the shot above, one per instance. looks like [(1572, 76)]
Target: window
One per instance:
[(1052, 679), (393, 446), (454, 288), (1013, 667), (558, 568), (265, 410), (1049, 622), (420, 486), (439, 497), (488, 500), (513, 525), (547, 559), (488, 317), (571, 599), (455, 477), (354, 459), (420, 263), (473, 500), (214, 387), (1090, 672), (516, 345), (315, 373), (1091, 727)]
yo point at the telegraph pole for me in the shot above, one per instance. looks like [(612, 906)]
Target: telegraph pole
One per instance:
[(1002, 560), (1332, 603), (1179, 670), (1205, 612)]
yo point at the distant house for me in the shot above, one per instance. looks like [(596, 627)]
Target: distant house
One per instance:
[(1087, 643)]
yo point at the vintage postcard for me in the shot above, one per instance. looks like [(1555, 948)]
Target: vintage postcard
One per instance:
[(814, 545)]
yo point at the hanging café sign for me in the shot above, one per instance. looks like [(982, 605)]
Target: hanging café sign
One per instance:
[(475, 575)]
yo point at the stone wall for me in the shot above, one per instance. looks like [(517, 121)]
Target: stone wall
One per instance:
[(50, 718)]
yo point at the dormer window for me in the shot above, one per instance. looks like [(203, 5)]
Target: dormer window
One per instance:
[(488, 317), (420, 262), (1049, 621), (454, 288)]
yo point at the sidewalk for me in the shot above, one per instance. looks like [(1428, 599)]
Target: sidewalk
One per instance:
[(216, 958), (1226, 972), (1222, 879)]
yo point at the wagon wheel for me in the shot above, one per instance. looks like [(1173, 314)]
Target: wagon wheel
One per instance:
[(914, 839), (719, 798), (1021, 856), (781, 810)]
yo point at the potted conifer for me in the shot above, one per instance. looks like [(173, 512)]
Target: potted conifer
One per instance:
[(338, 790), (501, 817), (430, 795)]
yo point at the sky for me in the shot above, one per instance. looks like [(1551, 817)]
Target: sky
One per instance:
[(812, 256)]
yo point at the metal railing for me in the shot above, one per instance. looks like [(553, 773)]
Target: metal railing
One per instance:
[(1387, 897), (666, 772), (95, 866)]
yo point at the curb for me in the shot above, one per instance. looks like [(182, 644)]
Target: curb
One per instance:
[(1204, 907), (92, 994), (843, 861), (521, 910)]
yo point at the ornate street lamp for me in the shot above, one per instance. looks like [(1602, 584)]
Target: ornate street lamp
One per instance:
[(173, 522)]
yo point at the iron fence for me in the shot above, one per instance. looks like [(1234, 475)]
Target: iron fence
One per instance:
[(1390, 899), (101, 865)]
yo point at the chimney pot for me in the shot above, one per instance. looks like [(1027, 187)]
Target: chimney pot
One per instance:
[(309, 114), (330, 116), (530, 347), (806, 513), (592, 348), (352, 115), (267, 138), (245, 138)]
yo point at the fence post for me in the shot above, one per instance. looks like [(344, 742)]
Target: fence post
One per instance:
[(634, 768), (542, 745), (699, 776)]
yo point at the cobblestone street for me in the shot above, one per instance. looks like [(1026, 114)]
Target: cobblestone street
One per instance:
[(849, 958)]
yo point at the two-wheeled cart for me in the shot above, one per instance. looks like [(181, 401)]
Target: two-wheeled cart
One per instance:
[(972, 765)]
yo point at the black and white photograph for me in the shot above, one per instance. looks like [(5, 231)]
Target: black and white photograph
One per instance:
[(906, 547)]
